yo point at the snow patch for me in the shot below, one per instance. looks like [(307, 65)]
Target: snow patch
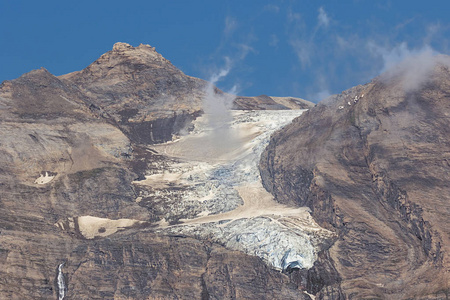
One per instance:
[(43, 179), (91, 227)]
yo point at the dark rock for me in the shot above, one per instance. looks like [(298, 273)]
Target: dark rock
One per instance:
[(87, 132)]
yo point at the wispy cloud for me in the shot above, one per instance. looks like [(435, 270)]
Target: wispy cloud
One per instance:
[(301, 39), (293, 16), (244, 50), (233, 50), (298, 38), (222, 72), (272, 8), (273, 40), (328, 53), (411, 65), (230, 26), (392, 56), (404, 23), (323, 18), (432, 31), (303, 50)]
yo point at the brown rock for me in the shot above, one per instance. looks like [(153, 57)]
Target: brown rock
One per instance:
[(371, 163)]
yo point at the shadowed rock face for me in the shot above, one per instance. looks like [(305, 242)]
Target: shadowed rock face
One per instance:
[(373, 166), (86, 134), (266, 102)]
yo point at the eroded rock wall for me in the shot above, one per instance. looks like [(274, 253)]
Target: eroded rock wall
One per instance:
[(371, 165)]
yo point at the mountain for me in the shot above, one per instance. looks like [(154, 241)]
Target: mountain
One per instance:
[(77, 220), (372, 164), (132, 180), (140, 91)]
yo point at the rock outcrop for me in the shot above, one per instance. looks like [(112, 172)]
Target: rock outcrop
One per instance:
[(266, 102), (372, 164)]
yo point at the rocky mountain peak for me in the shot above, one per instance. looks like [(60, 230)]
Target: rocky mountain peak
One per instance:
[(142, 55), (119, 46), (123, 47), (122, 61)]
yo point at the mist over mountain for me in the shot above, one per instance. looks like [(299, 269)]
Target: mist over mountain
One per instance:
[(132, 180)]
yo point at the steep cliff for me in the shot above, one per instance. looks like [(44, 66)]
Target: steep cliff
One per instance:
[(372, 164)]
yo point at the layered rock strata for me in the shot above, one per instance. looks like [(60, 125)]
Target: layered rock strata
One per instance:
[(372, 165)]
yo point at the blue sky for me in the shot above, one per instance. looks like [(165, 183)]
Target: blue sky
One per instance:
[(306, 49)]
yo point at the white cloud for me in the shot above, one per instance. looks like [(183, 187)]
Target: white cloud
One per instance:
[(392, 56), (230, 26), (323, 18), (411, 66)]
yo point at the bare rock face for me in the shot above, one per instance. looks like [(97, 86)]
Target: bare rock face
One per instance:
[(372, 164), (141, 92), (264, 102)]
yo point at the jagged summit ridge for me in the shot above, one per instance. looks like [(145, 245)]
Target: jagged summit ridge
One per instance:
[(143, 51), (123, 59), (122, 47)]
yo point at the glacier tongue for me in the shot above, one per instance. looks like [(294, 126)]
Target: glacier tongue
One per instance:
[(225, 186)]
